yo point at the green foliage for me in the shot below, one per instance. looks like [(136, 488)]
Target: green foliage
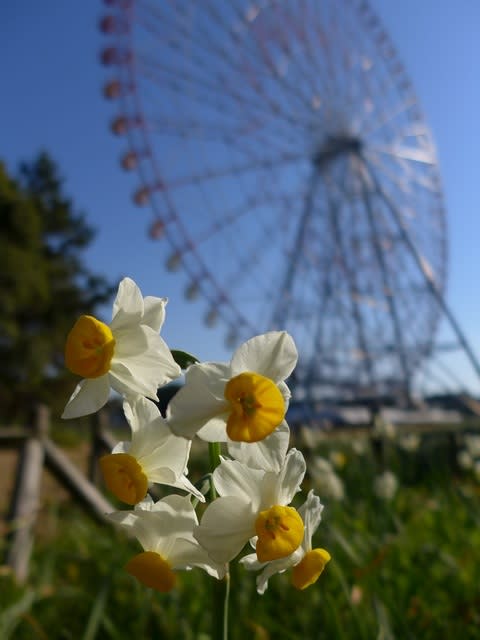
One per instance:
[(403, 569), (44, 285), (183, 359)]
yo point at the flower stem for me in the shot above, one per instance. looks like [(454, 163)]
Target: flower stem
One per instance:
[(214, 453), (221, 588)]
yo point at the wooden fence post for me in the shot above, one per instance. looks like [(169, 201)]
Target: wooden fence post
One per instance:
[(26, 496), (99, 426)]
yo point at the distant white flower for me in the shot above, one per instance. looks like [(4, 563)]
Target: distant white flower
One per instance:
[(243, 401), (154, 455), (386, 485), (307, 563), (128, 355), (338, 459), (464, 459), (360, 445), (310, 438), (382, 428), (253, 502), (476, 470), (472, 443), (164, 529), (325, 479), (410, 442)]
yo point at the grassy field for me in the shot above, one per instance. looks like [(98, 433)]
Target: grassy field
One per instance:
[(403, 568)]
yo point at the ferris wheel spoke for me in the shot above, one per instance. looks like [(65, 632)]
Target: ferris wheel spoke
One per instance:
[(407, 153), (200, 76), (249, 208), (214, 174), (263, 67), (219, 95), (388, 118), (238, 136), (260, 76)]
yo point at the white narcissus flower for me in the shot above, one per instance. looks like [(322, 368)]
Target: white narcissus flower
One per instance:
[(253, 502), (154, 455), (164, 529), (385, 485), (243, 401), (325, 478), (128, 355), (307, 563)]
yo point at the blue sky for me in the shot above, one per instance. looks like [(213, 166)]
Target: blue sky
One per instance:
[(51, 98)]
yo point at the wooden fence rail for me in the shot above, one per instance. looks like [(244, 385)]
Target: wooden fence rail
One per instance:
[(37, 451)]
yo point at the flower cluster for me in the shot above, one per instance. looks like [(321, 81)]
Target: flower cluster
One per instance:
[(241, 405)]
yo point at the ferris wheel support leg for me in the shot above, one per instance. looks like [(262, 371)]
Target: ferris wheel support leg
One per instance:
[(392, 307), (278, 316), (350, 273), (436, 293)]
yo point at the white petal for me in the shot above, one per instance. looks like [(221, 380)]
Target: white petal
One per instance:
[(142, 372), (290, 477), (285, 391), (273, 355), (187, 553), (182, 482), (251, 562), (232, 478), (121, 447), (154, 312), (268, 454), (146, 504), (153, 444), (140, 411), (311, 514), (138, 523), (158, 528), (144, 352), (127, 306), (89, 396), (177, 505), (226, 526), (199, 400), (215, 430), (271, 568)]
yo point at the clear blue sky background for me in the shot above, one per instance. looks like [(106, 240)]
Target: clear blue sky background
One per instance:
[(50, 98)]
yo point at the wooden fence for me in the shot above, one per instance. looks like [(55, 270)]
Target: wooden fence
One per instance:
[(36, 451)]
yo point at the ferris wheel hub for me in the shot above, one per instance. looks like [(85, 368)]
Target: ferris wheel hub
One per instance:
[(335, 146)]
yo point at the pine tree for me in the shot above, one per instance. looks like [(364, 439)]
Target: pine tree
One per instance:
[(44, 286)]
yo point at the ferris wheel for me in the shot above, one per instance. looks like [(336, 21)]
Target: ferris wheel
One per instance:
[(282, 153)]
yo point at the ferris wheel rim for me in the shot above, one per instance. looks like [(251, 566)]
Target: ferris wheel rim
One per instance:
[(160, 197)]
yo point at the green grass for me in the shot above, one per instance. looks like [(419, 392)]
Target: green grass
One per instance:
[(405, 569)]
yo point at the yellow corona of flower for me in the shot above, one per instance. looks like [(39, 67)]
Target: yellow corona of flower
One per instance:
[(128, 355), (124, 477), (309, 569), (152, 570), (307, 564), (243, 401), (257, 407), (164, 529), (280, 532), (89, 348)]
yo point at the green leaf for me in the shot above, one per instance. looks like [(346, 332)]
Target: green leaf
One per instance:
[(183, 359)]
